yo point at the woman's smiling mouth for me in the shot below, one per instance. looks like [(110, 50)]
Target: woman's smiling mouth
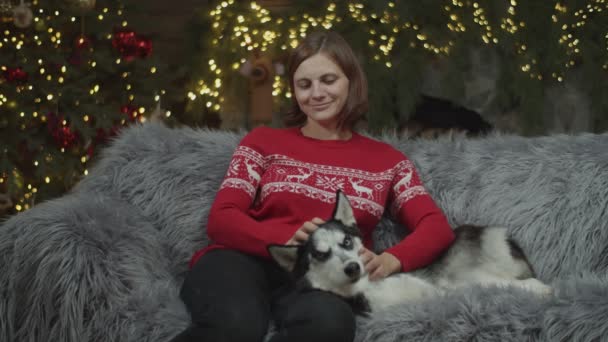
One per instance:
[(321, 106)]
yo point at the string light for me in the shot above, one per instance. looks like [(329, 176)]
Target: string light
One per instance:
[(247, 34)]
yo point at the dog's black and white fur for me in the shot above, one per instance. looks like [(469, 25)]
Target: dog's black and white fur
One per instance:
[(330, 261)]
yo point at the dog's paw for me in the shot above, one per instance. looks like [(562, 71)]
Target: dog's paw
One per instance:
[(537, 286)]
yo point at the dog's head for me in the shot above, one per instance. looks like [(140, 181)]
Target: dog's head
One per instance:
[(329, 260)]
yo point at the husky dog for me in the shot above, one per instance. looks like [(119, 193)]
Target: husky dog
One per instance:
[(330, 261)]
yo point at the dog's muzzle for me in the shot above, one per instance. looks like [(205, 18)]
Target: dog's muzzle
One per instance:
[(353, 270)]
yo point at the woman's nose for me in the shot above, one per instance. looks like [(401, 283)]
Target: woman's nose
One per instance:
[(317, 91)]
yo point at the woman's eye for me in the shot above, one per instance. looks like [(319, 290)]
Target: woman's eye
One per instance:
[(329, 79), (303, 84)]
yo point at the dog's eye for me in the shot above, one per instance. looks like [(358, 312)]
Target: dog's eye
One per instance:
[(348, 242), (319, 255)]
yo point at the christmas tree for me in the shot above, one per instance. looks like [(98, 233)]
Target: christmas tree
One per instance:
[(73, 73), (532, 49)]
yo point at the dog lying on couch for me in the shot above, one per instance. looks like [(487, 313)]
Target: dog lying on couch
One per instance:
[(330, 261)]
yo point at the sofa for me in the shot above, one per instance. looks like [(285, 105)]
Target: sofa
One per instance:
[(105, 262)]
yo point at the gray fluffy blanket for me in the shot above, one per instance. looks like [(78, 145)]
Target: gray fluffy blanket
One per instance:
[(105, 262)]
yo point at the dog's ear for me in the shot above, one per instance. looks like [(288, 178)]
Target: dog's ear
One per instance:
[(343, 212), (284, 255)]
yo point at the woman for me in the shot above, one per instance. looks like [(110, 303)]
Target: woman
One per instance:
[(279, 185)]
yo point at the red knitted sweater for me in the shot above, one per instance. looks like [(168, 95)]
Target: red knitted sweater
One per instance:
[(279, 178)]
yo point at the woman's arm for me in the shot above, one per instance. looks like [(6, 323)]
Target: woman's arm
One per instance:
[(229, 223), (430, 234)]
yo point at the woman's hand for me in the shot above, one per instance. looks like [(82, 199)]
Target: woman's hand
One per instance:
[(301, 235), (379, 266)]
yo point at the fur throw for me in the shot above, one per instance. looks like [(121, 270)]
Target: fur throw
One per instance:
[(105, 262)]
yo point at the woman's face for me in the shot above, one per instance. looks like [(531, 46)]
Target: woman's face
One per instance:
[(321, 88)]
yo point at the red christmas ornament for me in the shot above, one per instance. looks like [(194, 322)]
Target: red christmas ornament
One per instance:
[(144, 47), (65, 137), (15, 75), (101, 137), (125, 41), (131, 45), (62, 134), (82, 42), (131, 112), (124, 37)]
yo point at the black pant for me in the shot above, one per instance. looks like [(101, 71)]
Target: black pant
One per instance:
[(232, 297)]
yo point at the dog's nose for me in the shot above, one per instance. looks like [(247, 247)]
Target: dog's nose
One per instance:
[(352, 270)]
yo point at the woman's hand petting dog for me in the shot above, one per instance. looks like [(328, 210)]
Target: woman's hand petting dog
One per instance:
[(379, 266), (301, 235)]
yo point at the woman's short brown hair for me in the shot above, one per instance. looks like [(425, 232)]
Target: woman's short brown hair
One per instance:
[(335, 47)]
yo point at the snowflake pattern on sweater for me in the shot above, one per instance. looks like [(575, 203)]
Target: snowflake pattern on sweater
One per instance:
[(279, 173)]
